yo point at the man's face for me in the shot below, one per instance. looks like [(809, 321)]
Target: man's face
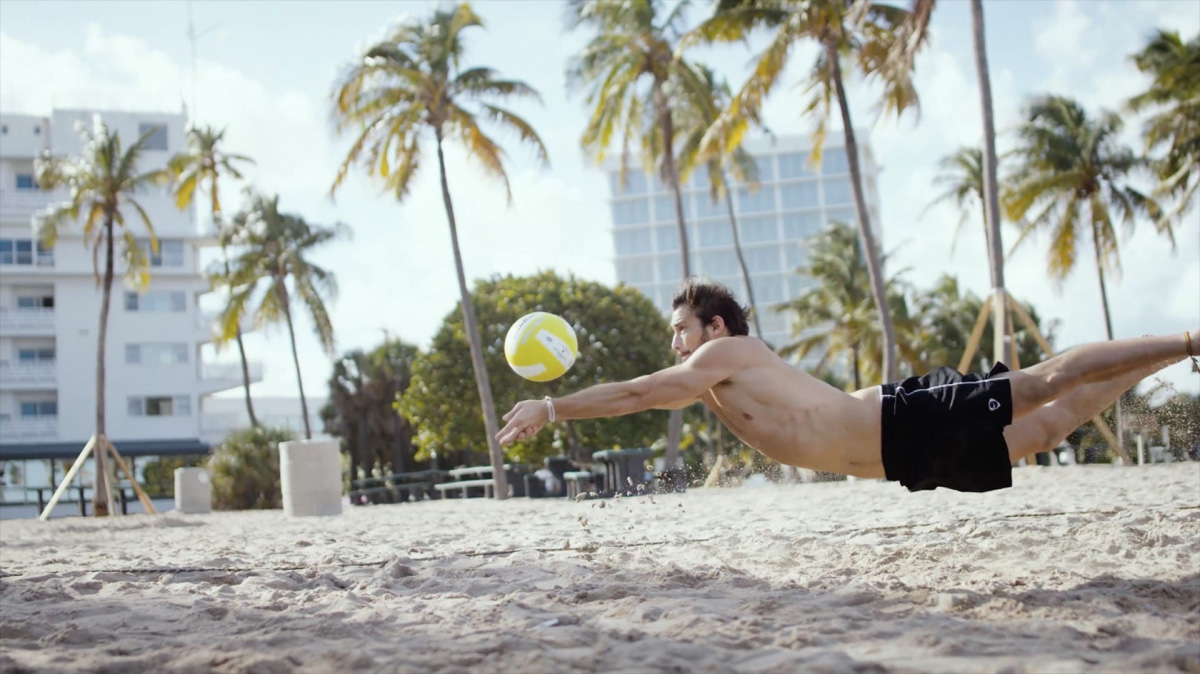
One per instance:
[(689, 334)]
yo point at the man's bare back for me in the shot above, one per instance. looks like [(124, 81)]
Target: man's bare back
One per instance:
[(793, 417)]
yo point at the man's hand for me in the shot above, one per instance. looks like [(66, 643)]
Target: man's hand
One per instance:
[(524, 420)]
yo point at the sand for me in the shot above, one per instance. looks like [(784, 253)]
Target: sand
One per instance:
[(1075, 568)]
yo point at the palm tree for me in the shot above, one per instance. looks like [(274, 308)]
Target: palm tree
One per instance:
[(1075, 173), (103, 181), (843, 28), (1174, 95), (200, 165), (697, 119), (276, 246), (412, 82), (837, 314), (962, 176)]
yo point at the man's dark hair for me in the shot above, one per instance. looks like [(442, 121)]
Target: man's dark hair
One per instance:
[(709, 299)]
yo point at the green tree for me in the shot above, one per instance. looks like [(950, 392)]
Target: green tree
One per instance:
[(412, 83), (962, 177), (697, 119), (276, 250), (102, 182), (363, 391), (245, 469), (858, 29), (1074, 172), (202, 163), (621, 336), (1174, 97)]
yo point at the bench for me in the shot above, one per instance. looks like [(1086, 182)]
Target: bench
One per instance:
[(488, 485), (578, 482), (389, 493)]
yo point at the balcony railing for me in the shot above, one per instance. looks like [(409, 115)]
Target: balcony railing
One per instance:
[(22, 204), (37, 428), (22, 375), (26, 321), (230, 371)]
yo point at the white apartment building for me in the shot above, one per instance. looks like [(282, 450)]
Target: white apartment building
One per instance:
[(793, 201), (50, 308)]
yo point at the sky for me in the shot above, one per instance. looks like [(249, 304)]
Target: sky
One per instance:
[(264, 71)]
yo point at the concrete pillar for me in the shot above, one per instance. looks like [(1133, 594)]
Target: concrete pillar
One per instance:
[(310, 474), (193, 490)]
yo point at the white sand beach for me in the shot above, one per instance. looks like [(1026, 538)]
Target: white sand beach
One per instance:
[(1084, 568)]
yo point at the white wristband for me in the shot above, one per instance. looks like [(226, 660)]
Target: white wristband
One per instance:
[(550, 408)]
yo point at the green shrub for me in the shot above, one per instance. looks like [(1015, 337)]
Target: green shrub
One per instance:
[(245, 470)]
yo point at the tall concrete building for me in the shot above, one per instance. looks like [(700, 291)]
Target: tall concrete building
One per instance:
[(793, 201), (50, 308)]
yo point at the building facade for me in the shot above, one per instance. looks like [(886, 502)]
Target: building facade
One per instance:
[(792, 201), (50, 307)]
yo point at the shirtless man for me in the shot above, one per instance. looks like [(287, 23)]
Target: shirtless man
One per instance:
[(943, 429)]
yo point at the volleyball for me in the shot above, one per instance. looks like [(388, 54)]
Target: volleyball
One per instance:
[(541, 346)]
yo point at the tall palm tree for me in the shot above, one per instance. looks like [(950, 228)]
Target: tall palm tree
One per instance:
[(842, 28), (697, 120), (1074, 173), (103, 181), (1174, 95), (413, 82), (276, 247), (962, 177), (836, 316), (200, 165)]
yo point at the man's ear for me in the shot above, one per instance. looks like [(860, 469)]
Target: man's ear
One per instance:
[(718, 324)]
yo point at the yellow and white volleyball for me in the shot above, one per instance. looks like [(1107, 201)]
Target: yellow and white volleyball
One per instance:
[(541, 346)]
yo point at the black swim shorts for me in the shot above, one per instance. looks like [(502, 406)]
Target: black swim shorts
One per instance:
[(946, 429)]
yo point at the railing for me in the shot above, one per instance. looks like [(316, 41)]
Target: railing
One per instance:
[(22, 204), (26, 320), (230, 371), (39, 428), (27, 374)]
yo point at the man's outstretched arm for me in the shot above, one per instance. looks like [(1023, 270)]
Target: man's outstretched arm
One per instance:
[(709, 365)]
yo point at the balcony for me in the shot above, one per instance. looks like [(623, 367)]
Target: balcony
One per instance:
[(216, 377), (24, 429), (20, 205), (28, 376), (23, 322)]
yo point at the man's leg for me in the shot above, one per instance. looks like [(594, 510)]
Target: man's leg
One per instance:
[(1046, 428), (1112, 361)]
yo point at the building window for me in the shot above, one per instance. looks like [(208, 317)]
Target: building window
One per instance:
[(37, 130), (639, 270), (845, 216), (156, 301), (30, 302), (4, 129), (758, 201), (45, 255), (838, 192), (801, 225), (714, 233), (766, 168), (39, 409), (160, 406), (706, 208), (664, 208), (634, 212), (768, 289), (718, 263), (32, 356), (670, 267), (798, 195), (794, 165), (170, 252), (635, 183), (156, 354), (25, 181), (797, 256), (758, 228), (158, 135), (632, 241), (834, 162), (762, 258)]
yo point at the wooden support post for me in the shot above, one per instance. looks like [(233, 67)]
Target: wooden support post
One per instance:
[(714, 475), (147, 504), (1101, 426), (66, 482), (976, 335)]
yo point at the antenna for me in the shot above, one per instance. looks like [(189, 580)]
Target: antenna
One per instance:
[(192, 36)]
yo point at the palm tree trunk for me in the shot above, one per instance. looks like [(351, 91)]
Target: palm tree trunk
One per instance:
[(857, 376), (100, 502), (1108, 330), (737, 247), (874, 266), (675, 418), (287, 314), (490, 423), (242, 353), (1000, 315)]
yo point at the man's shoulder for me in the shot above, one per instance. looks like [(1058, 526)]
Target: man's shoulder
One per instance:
[(732, 347)]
